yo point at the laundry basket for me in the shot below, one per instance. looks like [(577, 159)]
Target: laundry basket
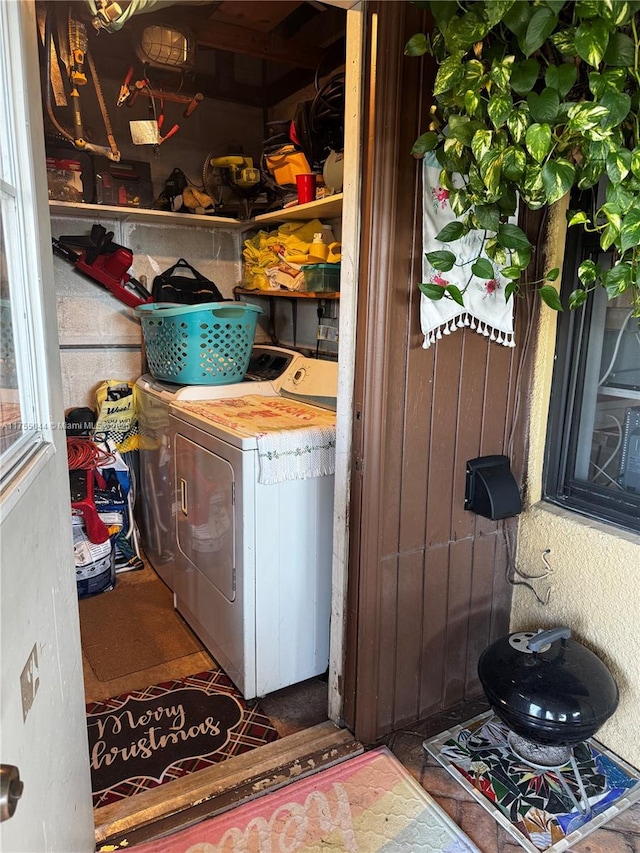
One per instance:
[(205, 344)]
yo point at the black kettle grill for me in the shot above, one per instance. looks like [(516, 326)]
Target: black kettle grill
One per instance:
[(547, 688)]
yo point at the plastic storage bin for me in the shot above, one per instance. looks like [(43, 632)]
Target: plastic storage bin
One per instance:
[(321, 277), (205, 344)]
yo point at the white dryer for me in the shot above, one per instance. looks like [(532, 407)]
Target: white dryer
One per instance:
[(156, 498), (253, 559)]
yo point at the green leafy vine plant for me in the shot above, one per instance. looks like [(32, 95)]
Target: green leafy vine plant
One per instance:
[(533, 98)]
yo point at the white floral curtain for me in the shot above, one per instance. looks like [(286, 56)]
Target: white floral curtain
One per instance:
[(485, 309)]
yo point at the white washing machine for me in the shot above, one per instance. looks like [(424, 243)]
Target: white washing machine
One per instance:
[(156, 500), (252, 569)]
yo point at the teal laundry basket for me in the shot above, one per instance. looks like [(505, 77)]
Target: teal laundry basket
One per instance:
[(205, 344)]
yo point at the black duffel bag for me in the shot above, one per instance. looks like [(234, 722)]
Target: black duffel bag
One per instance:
[(174, 286)]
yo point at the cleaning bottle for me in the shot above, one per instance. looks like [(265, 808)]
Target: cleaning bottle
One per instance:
[(318, 250)]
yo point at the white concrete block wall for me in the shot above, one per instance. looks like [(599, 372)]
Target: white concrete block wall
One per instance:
[(100, 338)]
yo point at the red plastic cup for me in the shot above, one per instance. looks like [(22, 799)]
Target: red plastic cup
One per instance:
[(306, 186)]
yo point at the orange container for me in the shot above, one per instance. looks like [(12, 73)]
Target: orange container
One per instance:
[(286, 163)]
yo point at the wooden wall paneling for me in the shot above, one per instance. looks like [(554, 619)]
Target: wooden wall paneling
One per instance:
[(436, 563), (468, 427), (502, 589), (386, 642), (495, 424), (484, 578), (418, 386), (393, 116), (448, 354), (458, 609), (409, 637), (427, 587), (415, 459)]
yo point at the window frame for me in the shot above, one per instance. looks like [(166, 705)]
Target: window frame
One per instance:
[(24, 457), (620, 509)]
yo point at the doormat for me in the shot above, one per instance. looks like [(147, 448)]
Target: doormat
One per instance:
[(367, 804), (145, 738), (133, 627), (541, 809)]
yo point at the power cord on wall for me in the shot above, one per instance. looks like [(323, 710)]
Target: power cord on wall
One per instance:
[(516, 577)]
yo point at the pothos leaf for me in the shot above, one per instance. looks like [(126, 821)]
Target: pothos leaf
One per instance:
[(487, 216), (617, 105), (620, 51), (481, 143), (544, 106), (490, 169), (499, 108), (510, 289), (618, 165), (431, 291), (588, 272), (426, 142), (451, 232), (482, 268), (518, 17), (550, 297), (538, 141), (578, 218), (512, 237), (524, 76), (511, 272), (630, 231), (514, 162), (617, 279), (454, 292), (553, 274), (417, 45), (557, 179), (441, 260), (611, 80), (592, 39), (518, 122), (450, 73), (561, 77), (497, 9), (443, 11), (542, 24), (577, 298)]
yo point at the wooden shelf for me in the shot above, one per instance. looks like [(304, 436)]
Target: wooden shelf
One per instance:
[(139, 214), (325, 208), (293, 296), (288, 294)]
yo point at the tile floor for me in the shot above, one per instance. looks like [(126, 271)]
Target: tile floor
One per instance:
[(296, 708), (621, 835)]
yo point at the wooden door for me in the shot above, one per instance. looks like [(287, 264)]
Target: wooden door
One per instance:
[(427, 586)]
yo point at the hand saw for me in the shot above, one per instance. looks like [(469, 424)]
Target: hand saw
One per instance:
[(77, 56)]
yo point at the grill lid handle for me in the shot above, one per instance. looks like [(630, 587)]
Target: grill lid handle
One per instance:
[(538, 642)]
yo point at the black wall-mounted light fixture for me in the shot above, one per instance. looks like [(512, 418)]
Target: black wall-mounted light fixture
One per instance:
[(491, 490)]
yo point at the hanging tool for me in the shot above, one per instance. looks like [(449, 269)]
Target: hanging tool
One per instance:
[(77, 56), (105, 262), (143, 87), (124, 88)]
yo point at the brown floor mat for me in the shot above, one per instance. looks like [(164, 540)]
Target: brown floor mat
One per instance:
[(127, 629)]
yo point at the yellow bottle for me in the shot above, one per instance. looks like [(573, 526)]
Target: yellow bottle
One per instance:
[(318, 251)]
